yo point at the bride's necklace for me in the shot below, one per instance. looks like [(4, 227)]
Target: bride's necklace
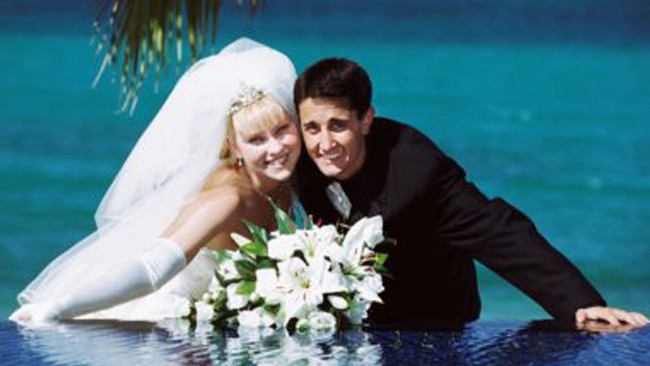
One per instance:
[(281, 196)]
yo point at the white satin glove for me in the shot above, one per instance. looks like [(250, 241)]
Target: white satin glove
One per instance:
[(126, 281)]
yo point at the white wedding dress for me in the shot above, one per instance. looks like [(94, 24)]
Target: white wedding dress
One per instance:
[(166, 170)]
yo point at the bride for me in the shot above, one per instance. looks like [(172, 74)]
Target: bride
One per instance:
[(224, 142)]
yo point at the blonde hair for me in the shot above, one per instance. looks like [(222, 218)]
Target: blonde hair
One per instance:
[(260, 115)]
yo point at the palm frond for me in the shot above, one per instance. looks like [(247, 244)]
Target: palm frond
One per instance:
[(135, 36)]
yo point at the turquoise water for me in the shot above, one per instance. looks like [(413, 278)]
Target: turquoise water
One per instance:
[(546, 105)]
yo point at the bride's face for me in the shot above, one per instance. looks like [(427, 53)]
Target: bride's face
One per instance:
[(268, 142)]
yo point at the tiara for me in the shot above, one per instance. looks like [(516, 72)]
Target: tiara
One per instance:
[(247, 96)]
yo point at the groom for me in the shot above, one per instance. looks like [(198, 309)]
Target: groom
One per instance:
[(357, 163)]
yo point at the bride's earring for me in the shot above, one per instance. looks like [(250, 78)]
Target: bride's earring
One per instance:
[(239, 162)]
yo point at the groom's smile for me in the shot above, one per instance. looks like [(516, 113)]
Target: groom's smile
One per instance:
[(332, 154), (334, 136)]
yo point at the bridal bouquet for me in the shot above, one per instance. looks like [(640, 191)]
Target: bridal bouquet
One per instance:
[(321, 277)]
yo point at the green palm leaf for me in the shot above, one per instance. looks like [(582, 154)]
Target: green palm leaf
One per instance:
[(135, 36)]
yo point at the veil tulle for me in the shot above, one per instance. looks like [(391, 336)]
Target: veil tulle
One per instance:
[(168, 165)]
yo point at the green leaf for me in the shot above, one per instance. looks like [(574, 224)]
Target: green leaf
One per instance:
[(266, 262), (381, 269), (271, 308), (380, 258), (223, 282), (245, 288), (221, 255), (256, 248), (240, 240), (246, 269), (380, 263), (284, 222), (220, 279), (259, 234), (140, 35)]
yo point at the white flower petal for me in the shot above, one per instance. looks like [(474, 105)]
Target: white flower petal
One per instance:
[(325, 235), (228, 270), (368, 231), (267, 281), (235, 301), (335, 253), (369, 287), (282, 247), (374, 231), (369, 295), (353, 243), (333, 281), (294, 307), (338, 302), (313, 297)]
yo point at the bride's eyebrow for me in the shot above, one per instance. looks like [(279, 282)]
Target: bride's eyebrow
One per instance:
[(281, 125), (251, 134)]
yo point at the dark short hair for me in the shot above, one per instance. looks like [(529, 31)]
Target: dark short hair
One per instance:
[(335, 78)]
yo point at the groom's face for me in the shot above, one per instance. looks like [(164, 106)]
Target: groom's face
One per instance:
[(334, 136)]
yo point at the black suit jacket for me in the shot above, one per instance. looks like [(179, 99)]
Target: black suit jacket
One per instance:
[(441, 223)]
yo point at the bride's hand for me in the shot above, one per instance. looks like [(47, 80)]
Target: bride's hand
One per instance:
[(36, 314)]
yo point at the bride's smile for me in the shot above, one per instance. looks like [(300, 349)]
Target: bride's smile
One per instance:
[(269, 147)]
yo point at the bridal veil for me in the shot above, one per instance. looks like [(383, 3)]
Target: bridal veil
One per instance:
[(168, 165)]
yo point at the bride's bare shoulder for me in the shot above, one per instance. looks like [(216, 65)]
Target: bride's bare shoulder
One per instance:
[(224, 175), (219, 206), (227, 189)]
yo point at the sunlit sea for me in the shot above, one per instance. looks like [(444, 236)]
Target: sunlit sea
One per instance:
[(545, 103)]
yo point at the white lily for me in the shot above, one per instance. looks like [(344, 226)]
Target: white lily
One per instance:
[(317, 241), (300, 287), (235, 300), (309, 265), (283, 246), (369, 287), (304, 285), (226, 268), (365, 232), (368, 231), (267, 285)]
